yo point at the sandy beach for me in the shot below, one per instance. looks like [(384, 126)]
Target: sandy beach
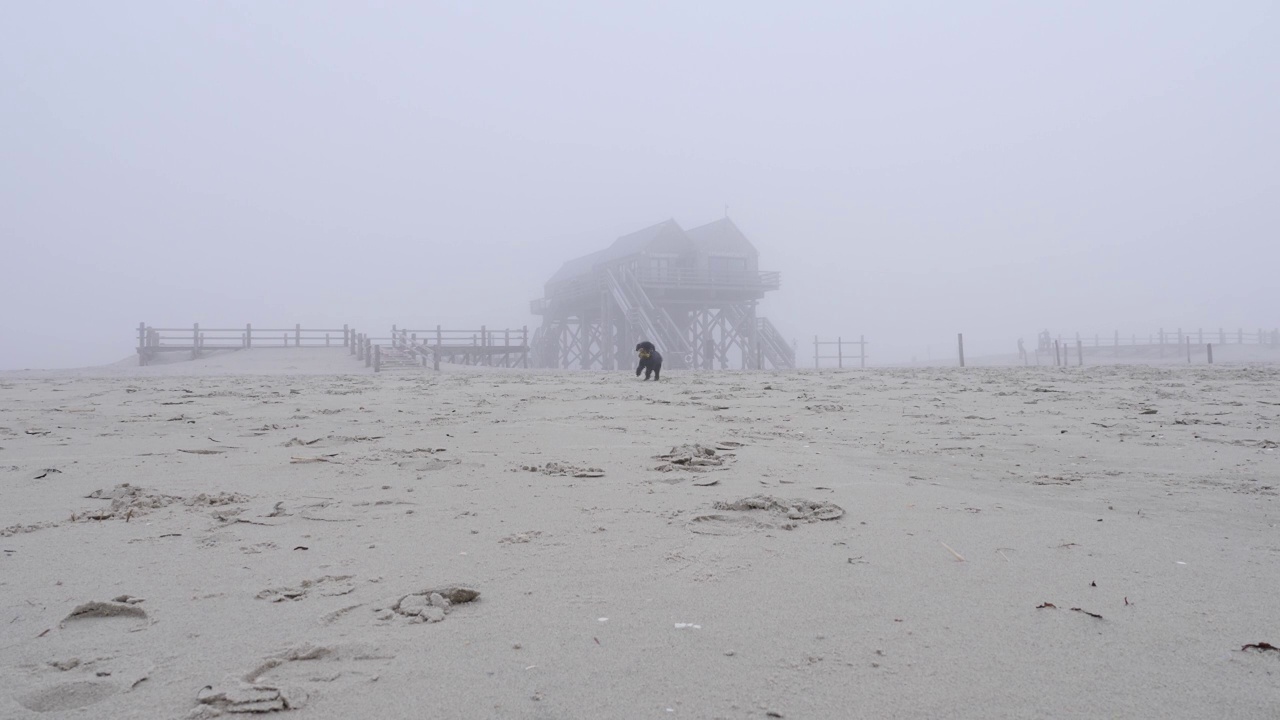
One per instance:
[(290, 534)]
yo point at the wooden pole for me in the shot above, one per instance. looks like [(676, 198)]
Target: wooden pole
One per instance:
[(346, 335), (377, 358), (960, 343), (297, 335), (1079, 354), (840, 352), (248, 335), (1057, 354), (368, 352), (1188, 348), (1209, 349), (142, 343)]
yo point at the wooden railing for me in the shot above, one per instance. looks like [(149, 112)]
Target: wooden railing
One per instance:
[(196, 339)]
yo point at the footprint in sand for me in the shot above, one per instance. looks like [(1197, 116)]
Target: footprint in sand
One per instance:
[(430, 605), (122, 608), (327, 586), (290, 679), (83, 683), (763, 512)]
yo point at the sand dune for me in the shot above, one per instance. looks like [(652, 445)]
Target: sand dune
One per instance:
[(287, 533)]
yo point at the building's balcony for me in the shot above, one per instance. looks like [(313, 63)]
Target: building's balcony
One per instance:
[(690, 278)]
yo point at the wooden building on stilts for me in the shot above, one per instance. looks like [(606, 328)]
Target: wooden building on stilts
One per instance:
[(692, 293)]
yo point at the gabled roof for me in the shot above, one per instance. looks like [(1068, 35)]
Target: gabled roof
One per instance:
[(665, 237), (721, 236)]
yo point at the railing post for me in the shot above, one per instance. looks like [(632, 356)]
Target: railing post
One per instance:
[(1188, 349), (395, 336), (195, 341), (1209, 348), (484, 343), (142, 343), (960, 340), (839, 352), (297, 335), (368, 352), (377, 358), (346, 336), (1079, 354), (248, 335), (351, 344)]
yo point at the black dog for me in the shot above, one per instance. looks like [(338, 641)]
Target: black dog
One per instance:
[(650, 361)]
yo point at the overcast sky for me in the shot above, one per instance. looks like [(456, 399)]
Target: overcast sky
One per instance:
[(914, 169)]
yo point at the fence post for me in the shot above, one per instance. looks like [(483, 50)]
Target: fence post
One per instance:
[(297, 335), (1188, 349), (360, 346), (346, 335), (377, 358), (142, 343), (368, 352), (1209, 349), (839, 352), (862, 351), (351, 345), (1057, 354), (1079, 354), (195, 341), (960, 342), (485, 359), (435, 359)]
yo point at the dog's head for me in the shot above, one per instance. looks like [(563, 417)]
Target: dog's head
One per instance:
[(645, 349)]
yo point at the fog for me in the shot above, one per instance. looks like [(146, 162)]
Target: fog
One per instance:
[(914, 170)]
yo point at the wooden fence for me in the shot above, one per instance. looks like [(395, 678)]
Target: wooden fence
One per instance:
[(1176, 338), (840, 355), (505, 348), (196, 340)]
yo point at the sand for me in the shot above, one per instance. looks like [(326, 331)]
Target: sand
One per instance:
[(320, 542)]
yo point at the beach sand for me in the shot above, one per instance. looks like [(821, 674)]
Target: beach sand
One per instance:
[(302, 537)]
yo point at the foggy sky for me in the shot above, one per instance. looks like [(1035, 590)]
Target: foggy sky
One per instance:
[(914, 169)]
